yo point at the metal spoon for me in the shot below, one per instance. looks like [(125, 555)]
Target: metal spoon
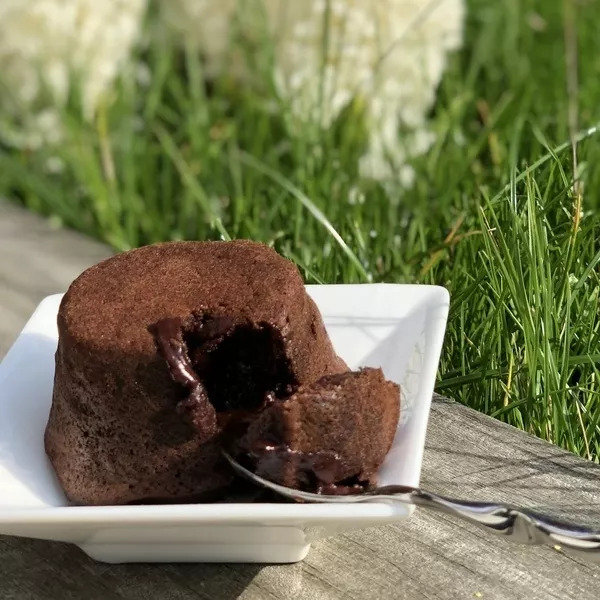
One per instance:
[(518, 524)]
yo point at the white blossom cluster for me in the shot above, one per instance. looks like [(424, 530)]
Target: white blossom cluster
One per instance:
[(205, 24), (389, 53), (48, 45)]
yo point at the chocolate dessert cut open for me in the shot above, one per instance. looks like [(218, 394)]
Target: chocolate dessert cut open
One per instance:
[(164, 348), (330, 436)]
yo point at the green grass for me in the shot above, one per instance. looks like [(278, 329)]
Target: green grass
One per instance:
[(493, 215)]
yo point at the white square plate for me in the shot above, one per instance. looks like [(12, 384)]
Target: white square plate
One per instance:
[(397, 327)]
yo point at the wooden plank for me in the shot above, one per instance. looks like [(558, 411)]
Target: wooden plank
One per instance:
[(430, 556), (36, 260)]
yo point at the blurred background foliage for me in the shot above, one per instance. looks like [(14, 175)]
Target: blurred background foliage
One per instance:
[(498, 204)]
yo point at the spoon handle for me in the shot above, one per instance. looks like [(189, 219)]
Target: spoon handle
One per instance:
[(519, 525)]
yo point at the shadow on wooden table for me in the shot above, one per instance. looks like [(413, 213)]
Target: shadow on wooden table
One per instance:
[(62, 571)]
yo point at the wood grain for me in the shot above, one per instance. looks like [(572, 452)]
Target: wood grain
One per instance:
[(431, 556), (36, 260)]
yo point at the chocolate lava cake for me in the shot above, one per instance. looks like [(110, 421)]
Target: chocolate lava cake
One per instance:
[(162, 348)]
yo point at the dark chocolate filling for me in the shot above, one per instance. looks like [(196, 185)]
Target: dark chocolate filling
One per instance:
[(196, 407), (239, 364), (229, 366)]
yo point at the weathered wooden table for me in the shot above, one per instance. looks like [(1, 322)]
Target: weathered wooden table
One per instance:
[(430, 556)]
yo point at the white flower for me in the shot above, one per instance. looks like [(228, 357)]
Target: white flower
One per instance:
[(48, 45), (205, 24), (390, 53)]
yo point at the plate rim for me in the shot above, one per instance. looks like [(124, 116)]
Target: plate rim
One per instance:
[(224, 514)]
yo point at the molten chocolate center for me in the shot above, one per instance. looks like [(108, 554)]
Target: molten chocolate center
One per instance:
[(196, 406)]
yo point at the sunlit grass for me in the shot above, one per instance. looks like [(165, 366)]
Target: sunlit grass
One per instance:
[(493, 214)]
